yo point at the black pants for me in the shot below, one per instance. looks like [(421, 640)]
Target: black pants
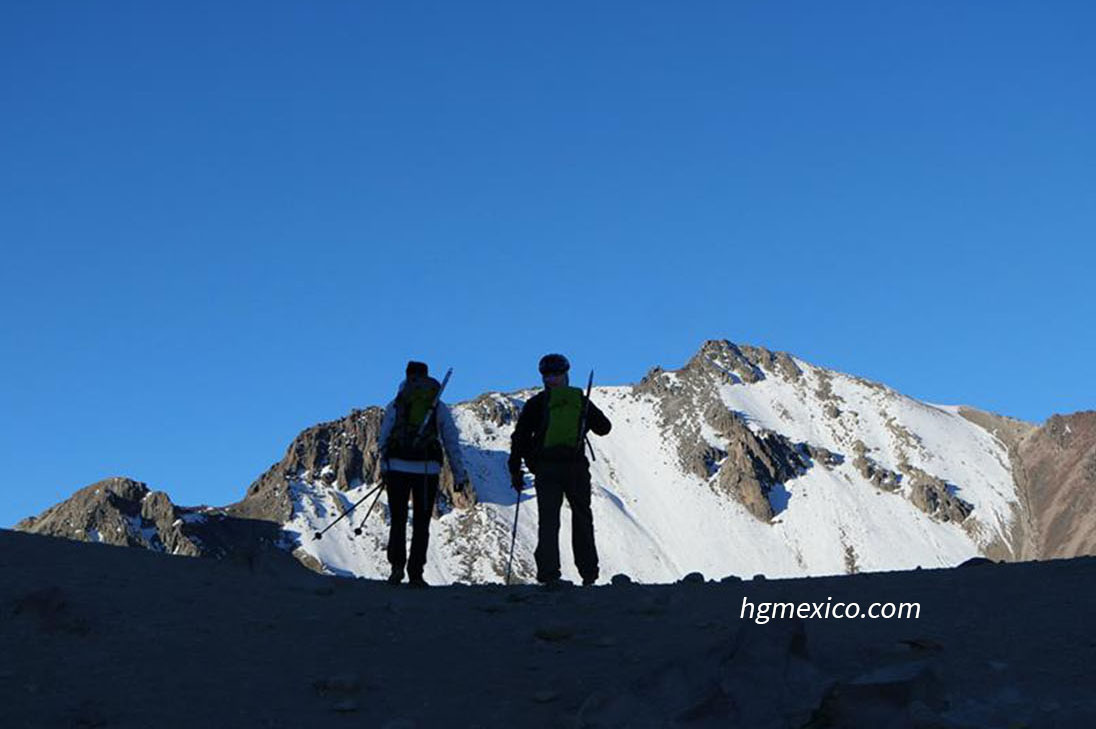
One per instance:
[(554, 480), (423, 490)]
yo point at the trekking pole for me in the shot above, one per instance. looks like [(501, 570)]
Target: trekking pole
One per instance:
[(319, 534), (425, 488), (380, 490), (513, 538)]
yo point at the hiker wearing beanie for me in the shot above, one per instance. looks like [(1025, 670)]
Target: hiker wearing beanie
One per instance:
[(547, 437), (414, 434)]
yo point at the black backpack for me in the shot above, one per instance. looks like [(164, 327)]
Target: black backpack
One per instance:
[(414, 406)]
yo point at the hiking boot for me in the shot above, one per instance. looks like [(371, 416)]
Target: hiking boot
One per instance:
[(417, 581), (396, 577), (587, 581)]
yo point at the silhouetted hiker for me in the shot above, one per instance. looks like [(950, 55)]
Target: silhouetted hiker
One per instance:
[(547, 436), (411, 458)]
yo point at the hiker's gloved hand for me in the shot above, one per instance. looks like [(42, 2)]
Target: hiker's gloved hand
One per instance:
[(517, 481)]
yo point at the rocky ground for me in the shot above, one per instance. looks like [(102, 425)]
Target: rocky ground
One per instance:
[(93, 635)]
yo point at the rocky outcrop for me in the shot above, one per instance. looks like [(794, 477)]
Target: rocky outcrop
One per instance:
[(342, 454), (496, 409), (882, 478), (824, 390), (721, 362), (725, 360), (744, 464), (743, 362), (126, 513), (934, 496), (755, 463), (121, 512), (929, 493), (824, 456), (780, 363)]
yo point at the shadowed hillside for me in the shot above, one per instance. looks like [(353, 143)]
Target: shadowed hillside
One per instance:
[(97, 636)]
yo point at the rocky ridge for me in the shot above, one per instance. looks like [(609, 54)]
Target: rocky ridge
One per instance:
[(126, 513), (756, 460), (122, 512)]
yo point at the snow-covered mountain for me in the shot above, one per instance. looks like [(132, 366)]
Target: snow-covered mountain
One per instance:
[(743, 461)]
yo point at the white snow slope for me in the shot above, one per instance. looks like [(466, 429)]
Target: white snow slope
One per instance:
[(656, 522)]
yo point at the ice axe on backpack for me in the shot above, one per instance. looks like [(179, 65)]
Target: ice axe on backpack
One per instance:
[(426, 420), (583, 441), (433, 407)]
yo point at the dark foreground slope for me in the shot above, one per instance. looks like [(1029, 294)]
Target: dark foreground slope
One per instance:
[(97, 636)]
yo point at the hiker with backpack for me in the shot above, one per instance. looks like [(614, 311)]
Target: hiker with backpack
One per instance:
[(416, 430), (550, 437)]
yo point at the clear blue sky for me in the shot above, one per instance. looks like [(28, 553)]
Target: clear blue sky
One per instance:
[(224, 222)]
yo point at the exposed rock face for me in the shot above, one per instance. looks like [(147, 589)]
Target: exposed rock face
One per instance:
[(824, 456), (744, 464), (746, 363), (125, 513), (879, 477), (496, 409), (1057, 475), (342, 453), (929, 493), (723, 362), (118, 511), (755, 463), (934, 496)]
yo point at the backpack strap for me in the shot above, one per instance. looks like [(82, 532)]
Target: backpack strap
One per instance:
[(545, 414)]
